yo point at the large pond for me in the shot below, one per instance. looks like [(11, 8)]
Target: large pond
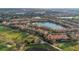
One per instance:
[(48, 25)]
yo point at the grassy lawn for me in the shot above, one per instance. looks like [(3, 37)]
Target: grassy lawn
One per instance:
[(70, 46), (9, 34), (10, 39), (40, 47)]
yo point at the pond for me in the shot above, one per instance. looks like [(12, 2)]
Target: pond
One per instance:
[(48, 25)]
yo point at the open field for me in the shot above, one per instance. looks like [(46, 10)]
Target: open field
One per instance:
[(16, 40), (70, 46)]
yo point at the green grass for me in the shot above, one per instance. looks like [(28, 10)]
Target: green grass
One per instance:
[(9, 33), (70, 46), (11, 40), (12, 37), (43, 46)]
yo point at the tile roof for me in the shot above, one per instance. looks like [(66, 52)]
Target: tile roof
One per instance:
[(57, 36)]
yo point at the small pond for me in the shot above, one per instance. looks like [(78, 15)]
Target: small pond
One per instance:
[(48, 25)]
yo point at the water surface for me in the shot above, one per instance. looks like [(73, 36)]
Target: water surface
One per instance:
[(48, 25)]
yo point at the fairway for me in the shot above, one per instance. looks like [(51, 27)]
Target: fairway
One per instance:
[(11, 39)]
